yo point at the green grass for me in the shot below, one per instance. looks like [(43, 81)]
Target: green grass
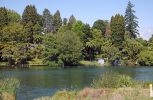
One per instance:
[(9, 85), (115, 80), (8, 88), (36, 62), (90, 63), (3, 63)]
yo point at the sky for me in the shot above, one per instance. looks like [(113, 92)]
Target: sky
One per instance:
[(89, 11)]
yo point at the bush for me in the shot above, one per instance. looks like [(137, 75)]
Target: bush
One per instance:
[(56, 64), (114, 80), (9, 85)]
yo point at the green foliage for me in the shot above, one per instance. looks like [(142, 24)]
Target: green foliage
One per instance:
[(65, 21), (57, 20), (13, 32), (13, 16), (36, 62), (118, 30), (30, 15), (100, 25), (37, 51), (78, 27), (72, 20), (131, 22), (46, 37), (48, 22), (93, 46), (4, 20), (9, 85), (30, 21), (110, 53), (15, 53), (145, 58), (114, 80), (131, 50), (90, 63), (63, 46)]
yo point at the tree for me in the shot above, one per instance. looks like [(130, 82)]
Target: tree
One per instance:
[(93, 46), (131, 50), (13, 32), (64, 21), (30, 14), (4, 20), (78, 28), (151, 39), (145, 58), (100, 25), (57, 20), (30, 18), (131, 22), (65, 47), (48, 22), (72, 20), (13, 16), (15, 53), (118, 30), (87, 34)]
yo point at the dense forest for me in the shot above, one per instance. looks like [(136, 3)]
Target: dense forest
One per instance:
[(32, 38)]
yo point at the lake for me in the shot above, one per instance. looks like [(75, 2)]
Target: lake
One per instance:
[(39, 82)]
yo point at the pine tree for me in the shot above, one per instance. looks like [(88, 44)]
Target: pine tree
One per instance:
[(30, 14), (48, 23), (131, 22), (57, 20), (72, 20), (118, 30)]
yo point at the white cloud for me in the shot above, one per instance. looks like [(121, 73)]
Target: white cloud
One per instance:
[(146, 32)]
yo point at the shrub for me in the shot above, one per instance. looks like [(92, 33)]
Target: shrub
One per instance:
[(9, 85), (114, 80)]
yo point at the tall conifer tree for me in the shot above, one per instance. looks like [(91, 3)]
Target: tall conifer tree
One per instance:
[(57, 20), (48, 23), (131, 22)]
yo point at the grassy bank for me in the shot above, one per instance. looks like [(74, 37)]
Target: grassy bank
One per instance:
[(90, 64), (8, 88), (109, 86)]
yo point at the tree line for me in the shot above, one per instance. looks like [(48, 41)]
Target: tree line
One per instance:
[(61, 42)]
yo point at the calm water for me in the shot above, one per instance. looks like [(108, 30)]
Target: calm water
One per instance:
[(45, 82)]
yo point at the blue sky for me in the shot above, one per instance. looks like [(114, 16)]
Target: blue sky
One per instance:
[(90, 10)]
